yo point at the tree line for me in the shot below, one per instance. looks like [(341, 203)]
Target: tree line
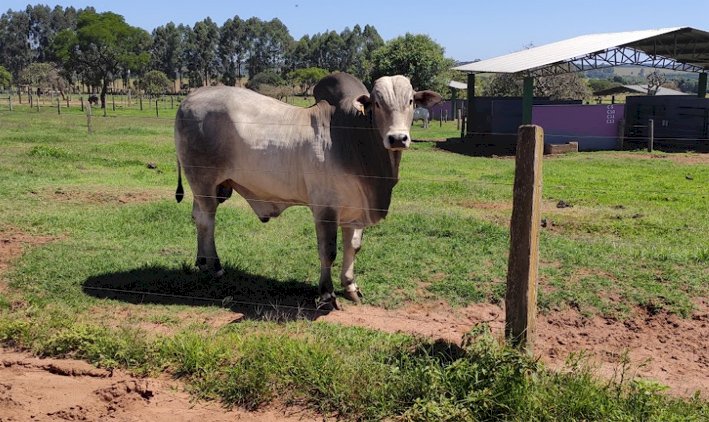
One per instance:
[(71, 46)]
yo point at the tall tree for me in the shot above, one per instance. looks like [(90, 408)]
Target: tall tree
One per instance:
[(271, 44), (44, 25), (372, 42), (416, 56), (234, 44), (102, 46), (167, 49), (203, 61), (329, 51), (360, 46), (15, 51), (300, 55)]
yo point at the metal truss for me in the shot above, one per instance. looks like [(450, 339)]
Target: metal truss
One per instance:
[(620, 56)]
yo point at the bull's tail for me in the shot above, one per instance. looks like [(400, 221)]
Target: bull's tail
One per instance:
[(180, 192)]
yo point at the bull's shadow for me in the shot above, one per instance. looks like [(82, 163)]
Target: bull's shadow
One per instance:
[(254, 296), (481, 146)]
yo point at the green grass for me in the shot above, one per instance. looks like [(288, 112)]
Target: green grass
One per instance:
[(635, 236), (355, 374)]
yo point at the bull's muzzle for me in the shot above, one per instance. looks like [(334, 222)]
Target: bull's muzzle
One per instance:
[(398, 141)]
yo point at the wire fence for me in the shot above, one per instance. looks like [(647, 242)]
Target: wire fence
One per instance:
[(300, 311), (98, 120), (73, 120)]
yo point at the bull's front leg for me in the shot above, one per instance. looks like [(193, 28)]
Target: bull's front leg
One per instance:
[(326, 229), (351, 243)]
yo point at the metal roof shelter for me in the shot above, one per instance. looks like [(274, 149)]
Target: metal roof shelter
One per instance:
[(682, 48)]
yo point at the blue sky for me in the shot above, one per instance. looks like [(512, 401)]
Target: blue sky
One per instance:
[(466, 29)]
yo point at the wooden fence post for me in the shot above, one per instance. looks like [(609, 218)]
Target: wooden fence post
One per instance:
[(157, 113), (82, 104), (523, 263), (59, 106), (9, 100), (651, 139), (88, 118)]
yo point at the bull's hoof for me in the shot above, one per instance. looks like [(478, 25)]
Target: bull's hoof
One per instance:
[(327, 302), (219, 274), (355, 296), (353, 293)]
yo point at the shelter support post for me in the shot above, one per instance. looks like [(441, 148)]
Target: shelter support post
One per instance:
[(527, 100), (523, 262), (471, 108), (454, 102), (702, 86)]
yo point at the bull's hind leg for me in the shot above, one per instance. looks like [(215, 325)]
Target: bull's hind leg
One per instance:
[(351, 243), (204, 212), (326, 229)]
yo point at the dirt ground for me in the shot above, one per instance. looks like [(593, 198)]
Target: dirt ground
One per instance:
[(663, 347), (33, 389), (671, 350)]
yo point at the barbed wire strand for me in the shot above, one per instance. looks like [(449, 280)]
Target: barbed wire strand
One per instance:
[(299, 309), (172, 119)]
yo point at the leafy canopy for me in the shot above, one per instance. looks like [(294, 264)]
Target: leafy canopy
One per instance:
[(43, 75), (307, 78), (155, 82), (5, 77), (102, 46), (416, 56)]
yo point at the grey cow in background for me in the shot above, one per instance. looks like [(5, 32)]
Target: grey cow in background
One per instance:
[(339, 157), (421, 113)]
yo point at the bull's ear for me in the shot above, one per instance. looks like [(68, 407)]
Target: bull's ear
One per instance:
[(362, 103), (427, 98)]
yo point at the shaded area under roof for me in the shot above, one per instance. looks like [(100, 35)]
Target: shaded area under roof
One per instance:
[(637, 89), (681, 48)]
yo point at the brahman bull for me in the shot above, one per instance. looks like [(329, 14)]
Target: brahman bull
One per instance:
[(339, 157)]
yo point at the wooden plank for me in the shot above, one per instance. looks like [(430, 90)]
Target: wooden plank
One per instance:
[(523, 263)]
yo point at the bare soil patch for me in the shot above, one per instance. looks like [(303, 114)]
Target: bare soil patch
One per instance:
[(64, 389), (679, 158), (663, 347), (659, 346), (101, 195)]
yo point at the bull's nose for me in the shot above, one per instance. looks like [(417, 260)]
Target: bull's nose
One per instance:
[(398, 140)]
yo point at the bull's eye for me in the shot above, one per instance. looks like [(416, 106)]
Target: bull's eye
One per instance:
[(376, 104), (411, 102)]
